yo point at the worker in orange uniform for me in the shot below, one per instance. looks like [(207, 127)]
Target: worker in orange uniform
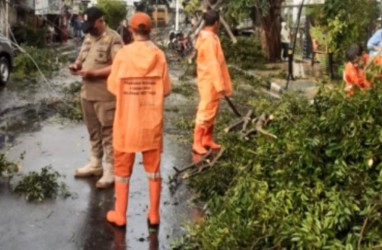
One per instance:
[(214, 82), (140, 81), (354, 74)]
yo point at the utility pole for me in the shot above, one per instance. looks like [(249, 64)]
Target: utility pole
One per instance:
[(177, 15), (6, 25), (2, 20)]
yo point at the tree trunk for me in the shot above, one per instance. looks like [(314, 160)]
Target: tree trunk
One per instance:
[(270, 29)]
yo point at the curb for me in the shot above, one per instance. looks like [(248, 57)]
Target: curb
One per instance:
[(271, 88)]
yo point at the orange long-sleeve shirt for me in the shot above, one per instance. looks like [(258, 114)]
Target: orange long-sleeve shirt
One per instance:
[(354, 78), (139, 79), (213, 75)]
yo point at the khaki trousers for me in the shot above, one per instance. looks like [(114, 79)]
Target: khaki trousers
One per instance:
[(98, 118)]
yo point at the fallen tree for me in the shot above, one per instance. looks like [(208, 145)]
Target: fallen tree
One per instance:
[(317, 186)]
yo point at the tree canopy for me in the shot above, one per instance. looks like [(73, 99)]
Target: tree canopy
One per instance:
[(115, 11), (339, 23)]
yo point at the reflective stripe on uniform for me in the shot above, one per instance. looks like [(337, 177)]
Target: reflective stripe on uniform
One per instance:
[(122, 179), (207, 66), (154, 175)]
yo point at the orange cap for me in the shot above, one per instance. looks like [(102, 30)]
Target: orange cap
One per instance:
[(140, 21)]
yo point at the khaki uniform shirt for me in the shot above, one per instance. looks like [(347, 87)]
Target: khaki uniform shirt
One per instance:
[(98, 53)]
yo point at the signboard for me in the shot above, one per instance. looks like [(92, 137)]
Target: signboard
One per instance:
[(41, 7), (29, 4), (55, 6), (44, 7)]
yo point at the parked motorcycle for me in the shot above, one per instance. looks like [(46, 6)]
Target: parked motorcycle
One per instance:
[(180, 43)]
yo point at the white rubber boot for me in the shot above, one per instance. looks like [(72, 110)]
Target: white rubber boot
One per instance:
[(93, 168), (107, 179)]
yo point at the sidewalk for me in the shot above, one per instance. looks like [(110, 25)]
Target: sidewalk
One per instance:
[(306, 77), (70, 48)]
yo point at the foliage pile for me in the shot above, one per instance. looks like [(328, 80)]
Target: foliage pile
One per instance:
[(41, 186), (35, 186), (317, 186), (7, 168), (71, 106), (26, 69), (246, 53)]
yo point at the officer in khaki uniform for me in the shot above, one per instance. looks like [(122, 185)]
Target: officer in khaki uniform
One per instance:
[(94, 62)]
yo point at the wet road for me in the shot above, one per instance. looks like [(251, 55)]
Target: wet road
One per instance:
[(79, 223)]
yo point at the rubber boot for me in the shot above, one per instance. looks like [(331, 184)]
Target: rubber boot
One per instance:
[(197, 146), (208, 140), (153, 218), (93, 168), (107, 178), (118, 215)]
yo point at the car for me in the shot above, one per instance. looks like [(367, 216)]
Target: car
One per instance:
[(6, 59)]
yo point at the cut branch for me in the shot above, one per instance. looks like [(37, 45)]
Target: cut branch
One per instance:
[(244, 122), (204, 166), (261, 122), (194, 164), (233, 126), (247, 118)]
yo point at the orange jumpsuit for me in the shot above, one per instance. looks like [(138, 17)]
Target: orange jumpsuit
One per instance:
[(213, 77)]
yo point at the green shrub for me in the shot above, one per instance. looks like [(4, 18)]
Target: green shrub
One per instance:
[(30, 37), (26, 69), (317, 186), (246, 53)]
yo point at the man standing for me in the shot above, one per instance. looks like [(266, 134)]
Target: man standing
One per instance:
[(214, 82), (98, 50), (374, 44), (140, 81), (285, 40)]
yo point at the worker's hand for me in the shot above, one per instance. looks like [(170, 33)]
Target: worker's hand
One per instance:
[(349, 87), (222, 93), (74, 68), (86, 74)]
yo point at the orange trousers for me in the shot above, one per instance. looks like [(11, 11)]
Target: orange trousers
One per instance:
[(124, 162), (207, 111)]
